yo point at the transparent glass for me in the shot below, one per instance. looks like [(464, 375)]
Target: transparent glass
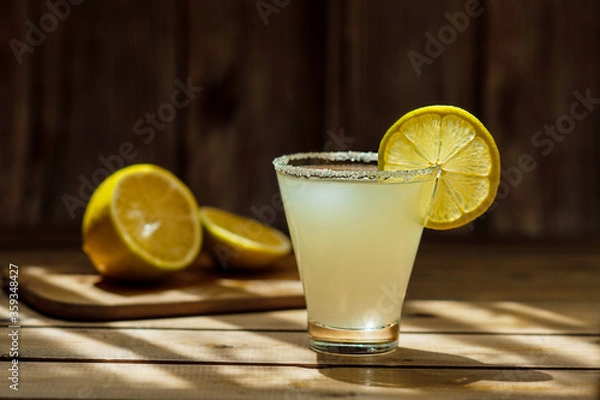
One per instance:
[(355, 232)]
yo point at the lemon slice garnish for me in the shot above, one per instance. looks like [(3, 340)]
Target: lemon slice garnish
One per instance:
[(457, 142)]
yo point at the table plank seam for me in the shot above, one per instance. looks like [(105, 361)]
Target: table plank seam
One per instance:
[(411, 332), (133, 328), (291, 365)]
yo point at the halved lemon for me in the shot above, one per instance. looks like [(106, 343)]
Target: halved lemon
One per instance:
[(240, 242), (140, 224), (457, 142)]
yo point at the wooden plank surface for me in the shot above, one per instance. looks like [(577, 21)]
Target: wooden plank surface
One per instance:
[(418, 316), (515, 272), (540, 60), (159, 381), (78, 292), (523, 344), (64, 285), (15, 103), (472, 271), (262, 98), (290, 348), (375, 82), (310, 75), (117, 70)]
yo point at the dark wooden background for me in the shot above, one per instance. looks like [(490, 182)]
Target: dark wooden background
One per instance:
[(281, 76)]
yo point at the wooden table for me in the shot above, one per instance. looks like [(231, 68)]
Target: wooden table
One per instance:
[(480, 322)]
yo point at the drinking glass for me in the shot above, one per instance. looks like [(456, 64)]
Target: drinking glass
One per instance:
[(355, 232)]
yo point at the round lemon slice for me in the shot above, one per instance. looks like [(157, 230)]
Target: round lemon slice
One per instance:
[(240, 242), (141, 224), (458, 143)]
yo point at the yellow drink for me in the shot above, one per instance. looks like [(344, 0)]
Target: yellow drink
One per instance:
[(355, 233)]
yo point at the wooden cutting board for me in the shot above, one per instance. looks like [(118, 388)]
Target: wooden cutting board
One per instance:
[(75, 291)]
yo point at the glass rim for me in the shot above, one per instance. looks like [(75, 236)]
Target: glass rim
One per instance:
[(283, 166)]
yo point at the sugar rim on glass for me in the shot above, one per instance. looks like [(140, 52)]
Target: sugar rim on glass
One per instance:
[(282, 165)]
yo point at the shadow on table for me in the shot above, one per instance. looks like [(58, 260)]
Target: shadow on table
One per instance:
[(419, 368)]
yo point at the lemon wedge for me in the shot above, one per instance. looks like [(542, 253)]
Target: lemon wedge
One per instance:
[(240, 242), (141, 224), (460, 145)]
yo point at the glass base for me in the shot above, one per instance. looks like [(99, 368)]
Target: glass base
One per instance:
[(353, 342)]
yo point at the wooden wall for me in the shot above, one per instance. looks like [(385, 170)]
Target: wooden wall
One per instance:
[(279, 76)]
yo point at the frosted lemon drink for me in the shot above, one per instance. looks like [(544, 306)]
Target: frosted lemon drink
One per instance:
[(355, 232), (356, 220)]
